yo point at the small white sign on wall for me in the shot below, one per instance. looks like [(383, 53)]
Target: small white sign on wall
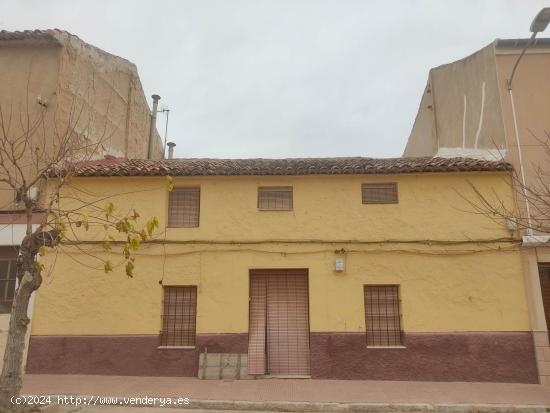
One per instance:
[(340, 265)]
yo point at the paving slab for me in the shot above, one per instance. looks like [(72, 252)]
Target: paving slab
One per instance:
[(304, 395)]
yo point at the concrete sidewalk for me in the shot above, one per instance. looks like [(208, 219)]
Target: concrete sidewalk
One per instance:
[(290, 390)]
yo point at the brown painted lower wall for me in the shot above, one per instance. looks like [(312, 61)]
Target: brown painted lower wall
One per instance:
[(131, 355), (496, 357)]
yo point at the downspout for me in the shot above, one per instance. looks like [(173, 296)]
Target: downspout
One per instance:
[(153, 126)]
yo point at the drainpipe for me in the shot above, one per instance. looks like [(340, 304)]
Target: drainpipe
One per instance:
[(171, 149), (153, 126)]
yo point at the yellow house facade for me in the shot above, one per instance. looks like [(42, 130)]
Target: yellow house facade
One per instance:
[(346, 268)]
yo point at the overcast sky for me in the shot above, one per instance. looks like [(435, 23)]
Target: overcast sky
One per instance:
[(285, 78)]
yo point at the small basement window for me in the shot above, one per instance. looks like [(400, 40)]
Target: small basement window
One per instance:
[(379, 193), (275, 198)]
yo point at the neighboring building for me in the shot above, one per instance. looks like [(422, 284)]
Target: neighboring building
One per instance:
[(344, 268), (53, 80), (466, 110)]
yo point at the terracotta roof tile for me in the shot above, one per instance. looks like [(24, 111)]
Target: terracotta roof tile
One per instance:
[(292, 166)]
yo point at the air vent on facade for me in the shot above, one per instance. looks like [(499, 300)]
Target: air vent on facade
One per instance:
[(379, 193)]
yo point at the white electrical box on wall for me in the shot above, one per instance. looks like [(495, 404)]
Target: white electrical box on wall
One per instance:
[(340, 265), (33, 193)]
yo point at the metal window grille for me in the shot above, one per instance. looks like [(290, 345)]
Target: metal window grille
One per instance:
[(257, 324), (8, 273), (544, 274), (184, 207), (179, 316), (382, 315), (275, 198), (379, 193)]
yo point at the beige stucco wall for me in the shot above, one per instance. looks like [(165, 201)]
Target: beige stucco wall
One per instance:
[(28, 71), (531, 91), (460, 108), (107, 92), (95, 96), (423, 138)]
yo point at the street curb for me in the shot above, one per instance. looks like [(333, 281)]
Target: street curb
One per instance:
[(337, 407), (299, 407)]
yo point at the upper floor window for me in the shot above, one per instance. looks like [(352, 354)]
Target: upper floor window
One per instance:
[(275, 198), (179, 315), (184, 207), (379, 193), (382, 315)]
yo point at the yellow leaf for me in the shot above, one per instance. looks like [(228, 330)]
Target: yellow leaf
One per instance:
[(39, 267), (107, 267), (169, 183), (130, 269), (109, 209), (151, 225)]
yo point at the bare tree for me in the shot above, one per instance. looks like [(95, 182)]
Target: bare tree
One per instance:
[(42, 152), (531, 211)]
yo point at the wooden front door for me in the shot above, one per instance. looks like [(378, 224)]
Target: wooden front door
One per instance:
[(279, 323)]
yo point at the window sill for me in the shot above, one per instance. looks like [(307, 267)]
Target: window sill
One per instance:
[(176, 347), (198, 226), (386, 347), (286, 376)]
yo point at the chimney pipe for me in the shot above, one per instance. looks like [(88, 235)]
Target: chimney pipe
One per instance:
[(153, 126), (171, 149)]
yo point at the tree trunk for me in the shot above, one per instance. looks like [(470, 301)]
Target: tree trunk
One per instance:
[(11, 378)]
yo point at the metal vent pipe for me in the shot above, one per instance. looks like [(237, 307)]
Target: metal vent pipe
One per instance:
[(171, 149), (153, 126)]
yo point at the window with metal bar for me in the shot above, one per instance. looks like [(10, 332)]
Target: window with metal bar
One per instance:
[(184, 207), (379, 193), (382, 315), (275, 198), (179, 317), (8, 272)]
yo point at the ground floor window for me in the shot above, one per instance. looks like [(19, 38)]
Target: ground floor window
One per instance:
[(179, 316), (544, 274), (8, 275), (382, 315)]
